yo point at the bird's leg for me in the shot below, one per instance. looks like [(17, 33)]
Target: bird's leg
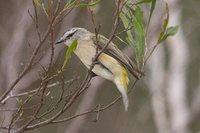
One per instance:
[(94, 61), (93, 74)]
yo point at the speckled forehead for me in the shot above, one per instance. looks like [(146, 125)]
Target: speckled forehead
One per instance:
[(72, 30), (75, 29)]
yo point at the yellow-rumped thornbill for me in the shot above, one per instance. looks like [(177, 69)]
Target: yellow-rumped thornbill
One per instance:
[(112, 64)]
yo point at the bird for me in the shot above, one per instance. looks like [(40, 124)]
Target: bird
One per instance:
[(112, 64)]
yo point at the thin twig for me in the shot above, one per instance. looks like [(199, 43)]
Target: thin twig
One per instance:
[(95, 110), (35, 90), (27, 68)]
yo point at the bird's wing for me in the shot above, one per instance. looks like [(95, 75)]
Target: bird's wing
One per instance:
[(114, 51)]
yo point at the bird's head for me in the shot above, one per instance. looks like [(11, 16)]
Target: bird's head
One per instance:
[(72, 34)]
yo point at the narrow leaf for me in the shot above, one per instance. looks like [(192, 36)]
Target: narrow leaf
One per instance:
[(165, 24), (38, 3), (69, 52), (89, 4), (45, 10), (153, 4), (69, 5), (143, 1), (139, 34), (135, 36), (171, 31), (127, 23), (121, 40)]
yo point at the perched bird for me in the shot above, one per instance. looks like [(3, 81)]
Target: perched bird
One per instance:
[(112, 64)]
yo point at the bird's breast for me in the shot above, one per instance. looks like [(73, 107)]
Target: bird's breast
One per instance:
[(85, 51)]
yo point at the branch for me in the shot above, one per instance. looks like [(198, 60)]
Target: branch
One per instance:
[(35, 90)]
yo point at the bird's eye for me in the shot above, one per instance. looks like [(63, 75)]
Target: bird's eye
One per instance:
[(70, 35)]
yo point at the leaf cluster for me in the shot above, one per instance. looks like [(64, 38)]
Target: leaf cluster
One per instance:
[(132, 18)]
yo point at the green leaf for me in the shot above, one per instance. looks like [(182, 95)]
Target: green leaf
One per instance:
[(166, 32), (45, 10), (121, 40), (153, 4), (93, 3), (165, 24), (135, 36), (69, 52), (127, 23), (139, 34), (38, 3), (143, 1), (69, 4), (171, 31)]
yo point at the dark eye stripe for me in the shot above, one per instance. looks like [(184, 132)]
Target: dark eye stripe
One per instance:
[(70, 35)]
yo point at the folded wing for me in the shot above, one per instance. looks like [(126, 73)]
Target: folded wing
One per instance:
[(113, 51)]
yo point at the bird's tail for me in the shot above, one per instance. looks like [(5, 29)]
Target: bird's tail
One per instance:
[(121, 82)]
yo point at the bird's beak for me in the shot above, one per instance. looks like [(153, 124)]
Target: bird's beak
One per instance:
[(60, 41)]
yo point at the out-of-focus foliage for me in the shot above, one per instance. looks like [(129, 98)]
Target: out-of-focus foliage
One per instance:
[(133, 21)]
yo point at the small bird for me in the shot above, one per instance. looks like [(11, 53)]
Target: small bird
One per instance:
[(112, 64)]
